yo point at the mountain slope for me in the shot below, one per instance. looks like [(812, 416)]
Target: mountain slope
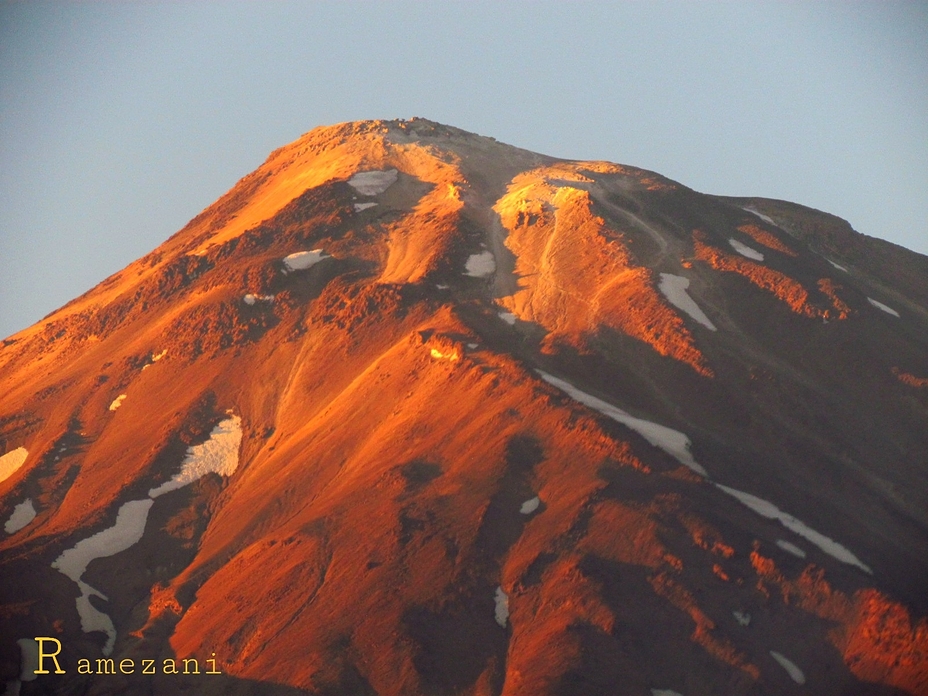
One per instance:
[(412, 411)]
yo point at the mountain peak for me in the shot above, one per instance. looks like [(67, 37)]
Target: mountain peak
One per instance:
[(409, 410)]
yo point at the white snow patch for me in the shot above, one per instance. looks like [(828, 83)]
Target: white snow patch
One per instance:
[(441, 286), (674, 289), (250, 299), (530, 505), (480, 265), (508, 317), (880, 305), (760, 215), (373, 182), (765, 508), (117, 402), (155, 357), (791, 548), (673, 442), (219, 454), (745, 250), (22, 515), (472, 346), (742, 617), (501, 612), (791, 669), (838, 266), (358, 207), (92, 619), (11, 461), (29, 650), (665, 692), (129, 528), (302, 260)]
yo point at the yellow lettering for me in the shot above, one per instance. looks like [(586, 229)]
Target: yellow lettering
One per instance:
[(106, 666), (196, 665), (83, 666), (127, 666), (148, 666), (172, 664), (212, 669), (42, 654)]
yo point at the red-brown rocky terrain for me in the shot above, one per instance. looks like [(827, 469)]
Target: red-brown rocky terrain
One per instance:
[(411, 411)]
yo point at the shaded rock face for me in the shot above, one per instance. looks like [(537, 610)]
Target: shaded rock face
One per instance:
[(410, 411)]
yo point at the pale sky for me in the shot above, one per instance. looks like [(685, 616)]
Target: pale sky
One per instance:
[(121, 121)]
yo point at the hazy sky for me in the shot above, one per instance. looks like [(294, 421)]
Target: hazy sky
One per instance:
[(121, 121)]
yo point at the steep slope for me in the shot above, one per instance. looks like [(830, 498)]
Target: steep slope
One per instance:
[(410, 411)]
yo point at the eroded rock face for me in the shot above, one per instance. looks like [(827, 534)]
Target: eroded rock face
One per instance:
[(500, 424)]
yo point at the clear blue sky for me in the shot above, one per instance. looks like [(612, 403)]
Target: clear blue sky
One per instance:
[(121, 121)]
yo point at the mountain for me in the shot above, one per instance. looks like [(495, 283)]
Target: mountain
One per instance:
[(411, 411)]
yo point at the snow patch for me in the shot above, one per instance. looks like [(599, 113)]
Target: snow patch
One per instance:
[(673, 442), (22, 515), (92, 619), (530, 505), (508, 317), (11, 461), (791, 669), (765, 508), (674, 289), (218, 454), (129, 527), (501, 612), (373, 182), (742, 617), (745, 250), (250, 299), (358, 207), (117, 402), (838, 266), (472, 346), (155, 357), (791, 548), (665, 692), (128, 530), (760, 215), (441, 286), (302, 260), (480, 265), (29, 650), (880, 305)]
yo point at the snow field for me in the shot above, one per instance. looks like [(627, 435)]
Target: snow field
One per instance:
[(674, 289), (22, 515), (480, 265), (301, 260), (885, 308), (501, 612), (792, 670), (745, 250), (765, 508), (218, 454), (673, 442), (374, 182)]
